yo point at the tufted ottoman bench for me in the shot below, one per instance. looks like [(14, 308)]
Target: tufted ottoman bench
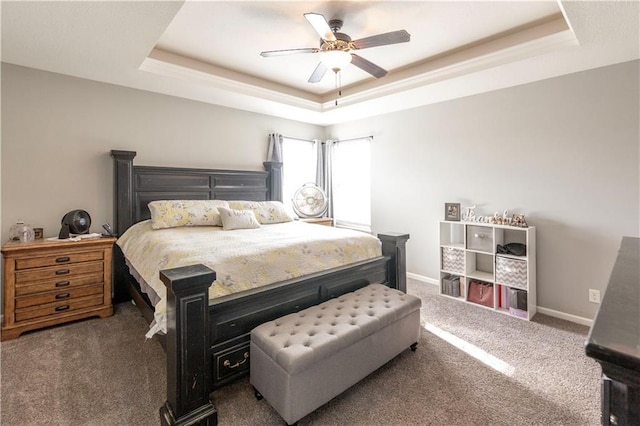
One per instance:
[(301, 361)]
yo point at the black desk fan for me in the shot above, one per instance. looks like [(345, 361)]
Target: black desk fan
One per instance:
[(75, 222)]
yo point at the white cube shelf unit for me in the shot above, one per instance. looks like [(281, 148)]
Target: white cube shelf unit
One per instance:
[(468, 252)]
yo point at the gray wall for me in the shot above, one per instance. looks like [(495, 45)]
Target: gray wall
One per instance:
[(57, 132), (564, 151)]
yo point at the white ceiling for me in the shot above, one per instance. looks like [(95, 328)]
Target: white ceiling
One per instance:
[(210, 50)]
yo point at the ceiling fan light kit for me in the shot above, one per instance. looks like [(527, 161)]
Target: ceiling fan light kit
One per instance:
[(336, 47), (335, 59)]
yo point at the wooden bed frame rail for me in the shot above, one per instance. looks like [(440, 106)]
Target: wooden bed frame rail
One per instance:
[(207, 342)]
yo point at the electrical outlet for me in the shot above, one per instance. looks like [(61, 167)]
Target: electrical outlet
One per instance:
[(594, 296)]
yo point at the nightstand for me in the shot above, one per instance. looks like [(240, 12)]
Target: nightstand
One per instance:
[(327, 221), (52, 282)]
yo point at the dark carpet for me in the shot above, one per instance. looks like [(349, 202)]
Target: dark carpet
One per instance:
[(472, 367)]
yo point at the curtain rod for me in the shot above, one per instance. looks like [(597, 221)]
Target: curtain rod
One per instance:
[(354, 139), (299, 139), (337, 140)]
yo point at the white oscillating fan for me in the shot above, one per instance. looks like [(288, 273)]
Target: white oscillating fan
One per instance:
[(309, 201)]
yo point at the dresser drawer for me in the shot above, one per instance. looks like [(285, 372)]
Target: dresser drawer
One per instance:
[(60, 272), (58, 259), (60, 283), (57, 296), (58, 307)]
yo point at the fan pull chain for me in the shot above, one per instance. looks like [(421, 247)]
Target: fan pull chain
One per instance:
[(338, 85)]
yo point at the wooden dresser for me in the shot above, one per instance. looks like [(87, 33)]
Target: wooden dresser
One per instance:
[(52, 282)]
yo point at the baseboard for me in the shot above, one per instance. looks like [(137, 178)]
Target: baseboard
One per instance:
[(565, 316), (545, 311), (422, 278)]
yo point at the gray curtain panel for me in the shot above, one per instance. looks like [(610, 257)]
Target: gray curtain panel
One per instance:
[(275, 147), (325, 152)]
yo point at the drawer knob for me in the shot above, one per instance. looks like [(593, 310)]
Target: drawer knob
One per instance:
[(62, 259), (62, 271), (62, 296), (62, 308), (227, 363), (62, 283), (478, 235)]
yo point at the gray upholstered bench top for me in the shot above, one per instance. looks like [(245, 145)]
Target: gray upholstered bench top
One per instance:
[(299, 340)]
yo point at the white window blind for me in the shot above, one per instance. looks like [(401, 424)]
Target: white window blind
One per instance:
[(352, 183), (298, 166)]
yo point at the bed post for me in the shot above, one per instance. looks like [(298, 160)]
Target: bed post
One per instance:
[(275, 180), (187, 346), (394, 245), (123, 190)]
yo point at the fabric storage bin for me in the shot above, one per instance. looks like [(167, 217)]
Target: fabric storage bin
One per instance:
[(480, 238), (511, 272), (453, 260)]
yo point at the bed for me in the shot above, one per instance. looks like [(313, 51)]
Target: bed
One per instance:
[(207, 340)]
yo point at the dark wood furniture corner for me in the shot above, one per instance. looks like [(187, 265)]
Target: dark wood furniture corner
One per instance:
[(188, 376), (52, 282), (614, 339)]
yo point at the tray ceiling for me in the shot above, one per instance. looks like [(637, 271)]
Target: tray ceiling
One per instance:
[(210, 50)]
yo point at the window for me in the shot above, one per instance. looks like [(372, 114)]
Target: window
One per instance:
[(352, 183), (298, 166)]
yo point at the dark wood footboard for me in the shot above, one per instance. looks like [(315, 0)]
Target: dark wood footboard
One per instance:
[(206, 348)]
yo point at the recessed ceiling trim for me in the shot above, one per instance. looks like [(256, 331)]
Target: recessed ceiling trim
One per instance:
[(543, 39), (191, 70)]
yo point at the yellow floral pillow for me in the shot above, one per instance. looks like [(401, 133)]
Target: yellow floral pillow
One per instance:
[(175, 213), (265, 211)]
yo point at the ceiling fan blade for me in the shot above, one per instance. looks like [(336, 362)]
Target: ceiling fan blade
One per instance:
[(367, 66), (321, 26), (289, 51), (318, 73), (393, 37)]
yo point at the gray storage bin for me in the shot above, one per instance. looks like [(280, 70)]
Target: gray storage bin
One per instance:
[(511, 272), (453, 260), (480, 238)]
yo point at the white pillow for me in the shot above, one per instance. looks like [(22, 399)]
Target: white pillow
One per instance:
[(238, 219), (265, 211), (174, 213)]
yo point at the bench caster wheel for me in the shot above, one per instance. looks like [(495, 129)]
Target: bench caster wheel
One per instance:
[(414, 346), (257, 394)]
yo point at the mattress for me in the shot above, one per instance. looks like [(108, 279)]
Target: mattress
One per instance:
[(243, 259)]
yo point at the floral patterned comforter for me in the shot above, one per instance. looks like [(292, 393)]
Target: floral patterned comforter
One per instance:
[(243, 259)]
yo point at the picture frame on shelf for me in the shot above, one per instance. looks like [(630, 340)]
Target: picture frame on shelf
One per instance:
[(452, 211)]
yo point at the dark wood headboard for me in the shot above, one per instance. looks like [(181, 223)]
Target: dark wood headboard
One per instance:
[(136, 186)]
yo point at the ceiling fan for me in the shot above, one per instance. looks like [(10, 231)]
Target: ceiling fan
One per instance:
[(336, 47)]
